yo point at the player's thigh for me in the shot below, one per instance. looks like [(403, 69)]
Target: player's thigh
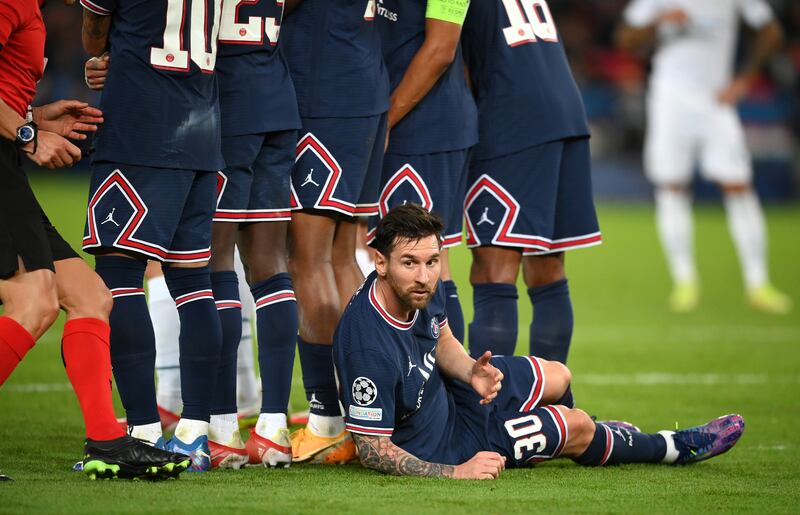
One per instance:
[(511, 200), (724, 157), (311, 237), (333, 159), (161, 214), (529, 437), (670, 140), (529, 381), (263, 249)]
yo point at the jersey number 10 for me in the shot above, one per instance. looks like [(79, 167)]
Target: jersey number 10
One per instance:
[(173, 55), (529, 19)]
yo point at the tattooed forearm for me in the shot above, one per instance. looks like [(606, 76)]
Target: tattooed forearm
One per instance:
[(379, 453), (95, 32)]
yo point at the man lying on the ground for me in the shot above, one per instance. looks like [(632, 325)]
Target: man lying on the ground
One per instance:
[(417, 404)]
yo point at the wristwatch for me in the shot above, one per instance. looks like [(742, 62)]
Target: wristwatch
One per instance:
[(27, 133)]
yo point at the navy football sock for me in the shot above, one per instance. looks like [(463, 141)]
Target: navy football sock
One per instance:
[(319, 379), (551, 329), (567, 399), (613, 445), (494, 325), (200, 340), (455, 316), (276, 323), (229, 307), (133, 343)]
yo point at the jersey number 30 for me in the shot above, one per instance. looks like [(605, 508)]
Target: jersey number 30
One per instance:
[(529, 19), (173, 55), (526, 432)]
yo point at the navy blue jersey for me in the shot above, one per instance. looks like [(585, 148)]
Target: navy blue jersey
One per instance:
[(524, 87), (160, 97), (334, 53), (446, 118), (389, 383), (256, 94)]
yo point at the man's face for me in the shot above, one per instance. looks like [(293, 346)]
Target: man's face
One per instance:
[(412, 270)]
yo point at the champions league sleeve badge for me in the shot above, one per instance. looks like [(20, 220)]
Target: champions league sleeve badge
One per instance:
[(364, 391)]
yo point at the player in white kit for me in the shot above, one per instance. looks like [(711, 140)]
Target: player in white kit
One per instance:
[(692, 119)]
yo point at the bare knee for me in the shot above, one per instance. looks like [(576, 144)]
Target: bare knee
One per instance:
[(494, 265), (581, 429), (557, 379), (92, 300), (541, 270), (35, 307)]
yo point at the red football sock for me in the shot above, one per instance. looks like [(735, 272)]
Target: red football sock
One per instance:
[(88, 361), (15, 342)]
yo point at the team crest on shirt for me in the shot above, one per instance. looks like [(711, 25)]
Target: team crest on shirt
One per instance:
[(364, 391), (435, 328)]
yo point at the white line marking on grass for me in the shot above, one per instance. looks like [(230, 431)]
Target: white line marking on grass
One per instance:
[(665, 378), (688, 334), (38, 387)]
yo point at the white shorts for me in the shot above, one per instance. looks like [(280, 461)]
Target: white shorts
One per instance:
[(683, 129)]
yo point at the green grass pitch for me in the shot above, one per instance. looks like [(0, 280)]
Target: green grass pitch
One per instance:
[(631, 359)]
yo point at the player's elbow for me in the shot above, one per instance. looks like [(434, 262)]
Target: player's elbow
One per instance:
[(441, 55)]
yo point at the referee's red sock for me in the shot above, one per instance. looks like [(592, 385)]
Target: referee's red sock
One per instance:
[(15, 342), (85, 349)]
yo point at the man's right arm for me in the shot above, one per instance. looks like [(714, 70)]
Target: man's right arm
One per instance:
[(641, 21), (94, 33), (381, 454)]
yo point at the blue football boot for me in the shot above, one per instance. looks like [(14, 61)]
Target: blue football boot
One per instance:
[(197, 451), (703, 442)]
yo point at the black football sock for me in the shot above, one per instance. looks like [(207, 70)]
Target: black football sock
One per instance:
[(276, 323), (200, 338), (455, 316), (226, 296), (133, 343), (316, 361), (494, 324), (614, 445), (551, 329)]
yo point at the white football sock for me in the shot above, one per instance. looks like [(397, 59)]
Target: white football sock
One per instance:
[(224, 429), (325, 426), (364, 261), (189, 430), (747, 227), (148, 432), (248, 387), (672, 452), (674, 220), (269, 423), (167, 327)]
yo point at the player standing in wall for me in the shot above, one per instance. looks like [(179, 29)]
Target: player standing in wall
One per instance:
[(153, 195), (432, 120), (39, 271), (529, 194), (691, 116), (334, 54)]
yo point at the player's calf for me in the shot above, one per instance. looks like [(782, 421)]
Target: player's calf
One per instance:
[(17, 292)]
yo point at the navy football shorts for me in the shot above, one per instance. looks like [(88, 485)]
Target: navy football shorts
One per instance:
[(163, 214), (514, 425), (538, 200), (434, 181), (338, 164), (256, 184)]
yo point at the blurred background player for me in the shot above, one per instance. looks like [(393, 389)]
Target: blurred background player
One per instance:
[(334, 52), (152, 196), (39, 271), (259, 126), (529, 194), (432, 119), (692, 117)]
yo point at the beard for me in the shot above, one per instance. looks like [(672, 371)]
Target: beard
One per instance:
[(417, 296)]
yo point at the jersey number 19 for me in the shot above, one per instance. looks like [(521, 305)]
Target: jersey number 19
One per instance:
[(202, 46)]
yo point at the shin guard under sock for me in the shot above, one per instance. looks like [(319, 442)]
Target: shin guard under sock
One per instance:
[(87, 358), (551, 329), (133, 345), (494, 325), (455, 316), (229, 308), (15, 342), (316, 361), (615, 445), (200, 339), (276, 322)]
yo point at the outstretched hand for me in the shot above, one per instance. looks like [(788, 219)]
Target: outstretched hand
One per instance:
[(485, 379), (68, 118)]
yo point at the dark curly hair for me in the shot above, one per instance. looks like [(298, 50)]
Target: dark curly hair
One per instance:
[(407, 222)]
